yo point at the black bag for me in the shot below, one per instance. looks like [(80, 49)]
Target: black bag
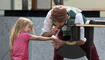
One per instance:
[(72, 51)]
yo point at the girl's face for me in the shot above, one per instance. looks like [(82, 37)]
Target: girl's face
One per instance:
[(27, 28)]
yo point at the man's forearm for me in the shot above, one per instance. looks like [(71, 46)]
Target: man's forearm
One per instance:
[(47, 34), (80, 42)]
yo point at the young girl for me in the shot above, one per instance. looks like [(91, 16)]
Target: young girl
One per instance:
[(19, 39)]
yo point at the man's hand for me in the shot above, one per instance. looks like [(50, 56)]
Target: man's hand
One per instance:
[(71, 43), (80, 42), (54, 30)]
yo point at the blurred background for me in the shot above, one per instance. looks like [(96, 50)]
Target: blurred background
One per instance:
[(36, 10)]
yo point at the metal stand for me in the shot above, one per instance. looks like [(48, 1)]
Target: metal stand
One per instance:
[(24, 4), (58, 2), (89, 31)]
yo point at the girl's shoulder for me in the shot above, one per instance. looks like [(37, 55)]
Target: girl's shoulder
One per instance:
[(25, 34)]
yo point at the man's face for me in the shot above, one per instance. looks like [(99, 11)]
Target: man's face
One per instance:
[(59, 24)]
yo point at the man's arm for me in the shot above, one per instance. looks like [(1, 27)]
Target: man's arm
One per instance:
[(47, 26), (79, 20), (48, 30), (80, 42)]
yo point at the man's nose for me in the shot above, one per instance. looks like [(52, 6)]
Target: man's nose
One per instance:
[(58, 26)]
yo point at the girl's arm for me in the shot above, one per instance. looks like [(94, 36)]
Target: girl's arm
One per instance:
[(33, 37)]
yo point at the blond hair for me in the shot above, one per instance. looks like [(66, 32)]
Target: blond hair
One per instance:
[(18, 28)]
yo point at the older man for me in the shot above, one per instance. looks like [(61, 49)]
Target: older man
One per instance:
[(58, 18)]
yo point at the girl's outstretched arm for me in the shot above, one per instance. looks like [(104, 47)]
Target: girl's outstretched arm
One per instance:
[(34, 37)]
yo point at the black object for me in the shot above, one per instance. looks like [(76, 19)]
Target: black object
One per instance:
[(43, 13), (58, 2), (27, 13), (67, 51), (72, 51), (89, 31), (89, 34), (97, 22), (91, 13), (24, 4)]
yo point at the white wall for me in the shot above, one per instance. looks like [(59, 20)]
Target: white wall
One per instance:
[(43, 4), (5, 4), (18, 4), (86, 3)]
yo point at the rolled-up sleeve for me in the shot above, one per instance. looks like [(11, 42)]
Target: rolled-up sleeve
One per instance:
[(47, 23), (79, 20)]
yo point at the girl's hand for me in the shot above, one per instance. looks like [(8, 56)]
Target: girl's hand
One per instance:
[(53, 38), (58, 43)]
